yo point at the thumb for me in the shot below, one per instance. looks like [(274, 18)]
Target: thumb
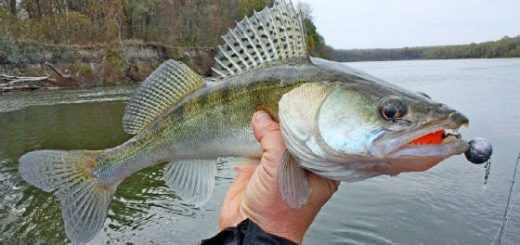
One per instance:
[(267, 132)]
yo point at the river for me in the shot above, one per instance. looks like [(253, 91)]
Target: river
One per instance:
[(449, 204)]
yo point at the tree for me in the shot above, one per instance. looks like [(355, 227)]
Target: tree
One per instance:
[(315, 41), (305, 9), (12, 7), (246, 7)]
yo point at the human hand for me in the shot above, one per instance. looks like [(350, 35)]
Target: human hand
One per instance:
[(255, 194)]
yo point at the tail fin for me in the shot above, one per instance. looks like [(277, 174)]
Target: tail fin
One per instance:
[(67, 174)]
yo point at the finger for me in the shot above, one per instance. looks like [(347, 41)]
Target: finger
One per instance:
[(243, 175), (244, 172), (267, 132), (322, 189), (229, 214)]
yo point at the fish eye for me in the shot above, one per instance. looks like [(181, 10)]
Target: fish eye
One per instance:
[(392, 109), (424, 95)]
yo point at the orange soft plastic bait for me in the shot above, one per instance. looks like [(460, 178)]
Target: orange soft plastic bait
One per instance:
[(434, 138)]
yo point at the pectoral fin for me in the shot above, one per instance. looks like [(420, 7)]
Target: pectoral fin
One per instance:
[(294, 184), (192, 180)]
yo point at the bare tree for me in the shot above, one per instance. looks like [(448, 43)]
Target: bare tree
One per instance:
[(12, 7), (305, 9)]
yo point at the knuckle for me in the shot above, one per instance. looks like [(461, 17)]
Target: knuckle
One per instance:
[(272, 127)]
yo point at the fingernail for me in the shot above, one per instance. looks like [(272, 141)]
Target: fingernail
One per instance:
[(262, 117)]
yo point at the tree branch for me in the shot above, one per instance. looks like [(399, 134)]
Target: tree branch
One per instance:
[(59, 73)]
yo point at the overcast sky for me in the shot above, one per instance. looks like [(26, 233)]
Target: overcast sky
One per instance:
[(408, 23)]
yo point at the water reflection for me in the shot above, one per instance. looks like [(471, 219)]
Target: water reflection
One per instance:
[(446, 205)]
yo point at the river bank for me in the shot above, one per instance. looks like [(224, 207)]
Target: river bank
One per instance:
[(36, 65), (507, 47)]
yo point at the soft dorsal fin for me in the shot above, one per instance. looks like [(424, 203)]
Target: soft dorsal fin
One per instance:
[(166, 86), (273, 35)]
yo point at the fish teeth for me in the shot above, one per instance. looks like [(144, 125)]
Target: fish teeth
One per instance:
[(451, 131), (449, 138)]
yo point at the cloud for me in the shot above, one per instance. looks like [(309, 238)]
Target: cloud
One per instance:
[(407, 23)]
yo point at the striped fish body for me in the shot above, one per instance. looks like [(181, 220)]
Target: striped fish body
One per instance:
[(178, 116), (213, 122), (336, 122)]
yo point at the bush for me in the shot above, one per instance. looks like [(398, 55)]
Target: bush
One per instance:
[(7, 46), (17, 54), (84, 69), (114, 58)]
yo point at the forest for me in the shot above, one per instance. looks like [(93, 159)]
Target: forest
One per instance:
[(505, 47), (173, 22), (113, 41), (108, 42)]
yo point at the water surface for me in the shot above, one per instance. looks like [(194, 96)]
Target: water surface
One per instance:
[(447, 205)]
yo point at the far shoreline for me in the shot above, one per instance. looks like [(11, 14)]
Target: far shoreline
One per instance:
[(507, 47), (445, 59)]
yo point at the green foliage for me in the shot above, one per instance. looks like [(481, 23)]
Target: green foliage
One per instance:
[(57, 31), (66, 28), (313, 37), (377, 54), (84, 69), (15, 54), (315, 42), (170, 22), (114, 58), (7, 46), (505, 47), (8, 24), (246, 7)]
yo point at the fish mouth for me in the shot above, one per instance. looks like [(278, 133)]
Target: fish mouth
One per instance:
[(440, 143), (435, 140)]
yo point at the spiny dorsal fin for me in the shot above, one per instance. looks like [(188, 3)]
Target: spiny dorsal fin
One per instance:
[(275, 34), (166, 86)]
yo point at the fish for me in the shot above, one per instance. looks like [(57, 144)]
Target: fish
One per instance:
[(337, 122)]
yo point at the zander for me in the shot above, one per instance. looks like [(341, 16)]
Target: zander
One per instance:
[(337, 122)]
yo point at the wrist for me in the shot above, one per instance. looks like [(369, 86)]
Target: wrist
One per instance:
[(247, 232), (291, 236), (283, 228)]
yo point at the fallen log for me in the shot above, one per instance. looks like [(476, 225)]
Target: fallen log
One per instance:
[(15, 81), (11, 83), (4, 89), (60, 74)]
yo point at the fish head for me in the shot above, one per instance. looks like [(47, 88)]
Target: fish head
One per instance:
[(418, 132), (368, 126)]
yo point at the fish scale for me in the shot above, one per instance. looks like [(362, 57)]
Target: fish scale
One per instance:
[(333, 119)]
